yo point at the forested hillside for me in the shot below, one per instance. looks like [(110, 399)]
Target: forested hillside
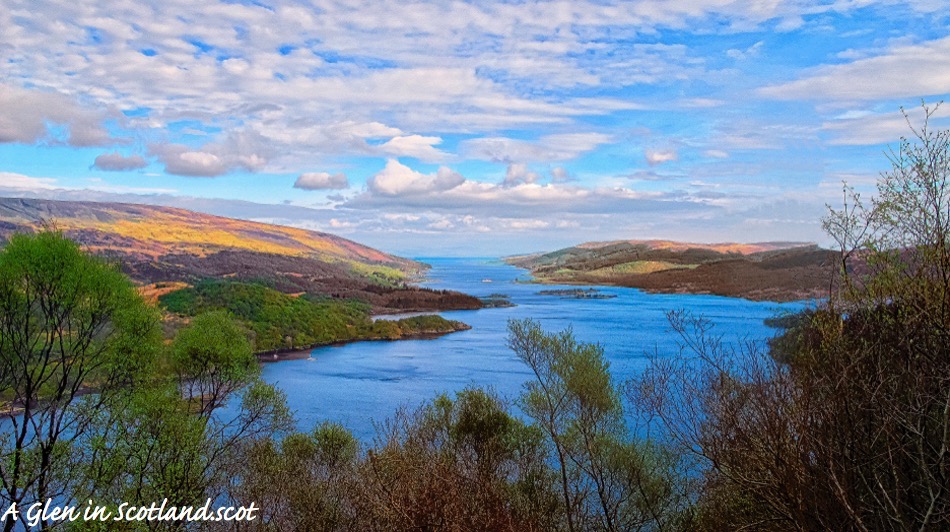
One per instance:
[(164, 245)]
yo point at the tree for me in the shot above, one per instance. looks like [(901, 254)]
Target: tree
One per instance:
[(605, 480), (69, 323), (459, 463), (845, 423), (901, 238), (170, 439), (213, 357), (463, 463)]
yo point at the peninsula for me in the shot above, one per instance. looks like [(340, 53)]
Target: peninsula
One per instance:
[(769, 271)]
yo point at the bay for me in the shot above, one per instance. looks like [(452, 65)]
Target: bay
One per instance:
[(361, 383)]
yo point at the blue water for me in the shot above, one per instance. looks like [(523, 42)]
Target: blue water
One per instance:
[(357, 384)]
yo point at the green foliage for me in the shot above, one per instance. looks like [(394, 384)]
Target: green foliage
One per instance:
[(280, 321), (68, 322), (149, 445), (605, 481), (471, 446), (429, 323), (317, 477), (212, 342), (380, 274), (56, 300), (211, 357)]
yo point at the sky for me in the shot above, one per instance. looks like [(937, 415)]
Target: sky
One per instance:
[(440, 128)]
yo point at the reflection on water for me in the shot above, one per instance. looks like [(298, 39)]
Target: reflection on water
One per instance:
[(361, 382)]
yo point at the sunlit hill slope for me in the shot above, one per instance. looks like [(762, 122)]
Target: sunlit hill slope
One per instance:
[(162, 245), (776, 271)]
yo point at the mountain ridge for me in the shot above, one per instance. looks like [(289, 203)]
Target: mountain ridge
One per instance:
[(156, 245), (763, 271)]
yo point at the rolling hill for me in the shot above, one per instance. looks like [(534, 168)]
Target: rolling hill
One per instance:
[(769, 271), (163, 246)]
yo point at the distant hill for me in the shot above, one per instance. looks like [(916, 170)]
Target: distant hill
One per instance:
[(159, 245), (768, 271)]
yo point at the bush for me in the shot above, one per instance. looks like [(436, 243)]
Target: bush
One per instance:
[(846, 424)]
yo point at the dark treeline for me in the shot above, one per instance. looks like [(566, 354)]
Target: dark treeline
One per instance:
[(840, 423), (290, 274)]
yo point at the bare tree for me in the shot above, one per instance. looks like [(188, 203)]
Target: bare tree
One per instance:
[(845, 423)]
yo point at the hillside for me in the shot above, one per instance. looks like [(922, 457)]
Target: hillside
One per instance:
[(770, 271), (281, 323), (163, 245)]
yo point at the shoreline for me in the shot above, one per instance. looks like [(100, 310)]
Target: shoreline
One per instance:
[(303, 353), (783, 296), (800, 273)]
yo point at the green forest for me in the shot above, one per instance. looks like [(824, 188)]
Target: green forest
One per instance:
[(843, 423), (281, 322)]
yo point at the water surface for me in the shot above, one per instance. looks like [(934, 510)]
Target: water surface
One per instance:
[(358, 383)]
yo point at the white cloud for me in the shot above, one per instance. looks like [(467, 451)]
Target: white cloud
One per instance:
[(657, 157), (399, 189), (559, 174), (417, 146), (768, 132), (557, 147), (307, 137), (716, 154), (441, 225), (303, 85), (246, 150), (397, 179), (651, 175), (701, 103), (748, 53), (525, 225), (909, 71), (28, 186), (194, 163), (867, 128), (519, 173), (26, 116), (295, 73), (321, 181), (13, 181)]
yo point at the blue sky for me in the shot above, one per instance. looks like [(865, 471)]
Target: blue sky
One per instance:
[(482, 128)]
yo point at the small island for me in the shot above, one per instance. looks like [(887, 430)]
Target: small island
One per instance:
[(577, 293), (497, 301)]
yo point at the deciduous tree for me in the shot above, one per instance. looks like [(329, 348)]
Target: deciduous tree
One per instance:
[(69, 323)]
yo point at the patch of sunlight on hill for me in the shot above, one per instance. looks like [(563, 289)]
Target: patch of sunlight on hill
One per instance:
[(384, 274), (156, 231), (296, 237), (151, 292), (639, 267), (195, 239)]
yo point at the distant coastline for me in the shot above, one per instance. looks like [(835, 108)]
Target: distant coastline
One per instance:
[(779, 272)]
